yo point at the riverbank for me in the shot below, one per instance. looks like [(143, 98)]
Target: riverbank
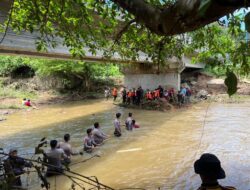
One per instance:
[(41, 99), (43, 92)]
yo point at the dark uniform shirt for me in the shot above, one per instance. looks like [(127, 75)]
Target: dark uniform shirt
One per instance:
[(215, 187)]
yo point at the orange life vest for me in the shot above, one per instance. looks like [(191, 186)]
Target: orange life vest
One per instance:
[(114, 92), (130, 94), (149, 96), (157, 93)]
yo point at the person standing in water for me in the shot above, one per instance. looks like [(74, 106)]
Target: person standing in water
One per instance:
[(134, 125), (98, 136), (54, 158), (89, 144), (107, 93), (66, 146), (124, 95), (117, 125), (128, 122), (114, 93)]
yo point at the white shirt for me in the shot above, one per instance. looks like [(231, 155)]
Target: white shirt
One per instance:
[(117, 125), (66, 148)]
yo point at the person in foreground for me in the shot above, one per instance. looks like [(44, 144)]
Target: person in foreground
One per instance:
[(14, 168), (210, 171)]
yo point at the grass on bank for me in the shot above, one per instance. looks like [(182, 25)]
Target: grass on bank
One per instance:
[(12, 106), (13, 93)]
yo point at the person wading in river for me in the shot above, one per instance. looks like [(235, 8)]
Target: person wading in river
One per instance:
[(66, 146), (117, 125), (128, 122), (210, 170), (114, 93), (124, 95), (98, 136), (88, 141), (54, 158)]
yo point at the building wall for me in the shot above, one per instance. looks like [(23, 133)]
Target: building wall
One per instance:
[(152, 81)]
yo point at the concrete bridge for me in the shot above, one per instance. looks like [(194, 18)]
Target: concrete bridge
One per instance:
[(139, 73)]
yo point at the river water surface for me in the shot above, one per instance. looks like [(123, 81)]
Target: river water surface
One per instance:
[(159, 154)]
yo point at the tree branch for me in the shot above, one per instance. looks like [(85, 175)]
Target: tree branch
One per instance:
[(183, 16), (8, 22), (123, 30)]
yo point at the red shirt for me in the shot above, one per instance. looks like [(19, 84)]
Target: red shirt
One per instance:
[(136, 126), (27, 104)]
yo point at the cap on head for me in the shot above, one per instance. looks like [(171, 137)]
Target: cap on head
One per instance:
[(209, 165)]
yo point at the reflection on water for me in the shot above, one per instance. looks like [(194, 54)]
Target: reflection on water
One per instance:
[(159, 154)]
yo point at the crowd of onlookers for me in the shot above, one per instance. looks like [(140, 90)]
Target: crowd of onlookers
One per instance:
[(138, 95)]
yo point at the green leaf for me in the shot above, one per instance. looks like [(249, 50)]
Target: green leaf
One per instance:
[(247, 21), (204, 5), (231, 82)]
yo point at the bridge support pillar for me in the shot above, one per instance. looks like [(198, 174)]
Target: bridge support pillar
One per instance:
[(152, 81), (150, 76)]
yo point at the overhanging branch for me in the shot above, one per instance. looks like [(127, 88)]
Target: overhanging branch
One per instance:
[(123, 30), (183, 16)]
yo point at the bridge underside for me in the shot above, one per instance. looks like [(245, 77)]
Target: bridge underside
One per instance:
[(141, 73)]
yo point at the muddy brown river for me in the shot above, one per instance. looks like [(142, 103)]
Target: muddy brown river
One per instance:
[(159, 154)]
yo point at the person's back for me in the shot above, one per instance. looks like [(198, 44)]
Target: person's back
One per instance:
[(54, 158), (114, 93), (98, 135), (134, 124), (124, 95), (106, 93), (117, 126), (28, 103), (210, 171), (215, 187), (66, 148), (128, 122), (88, 141)]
